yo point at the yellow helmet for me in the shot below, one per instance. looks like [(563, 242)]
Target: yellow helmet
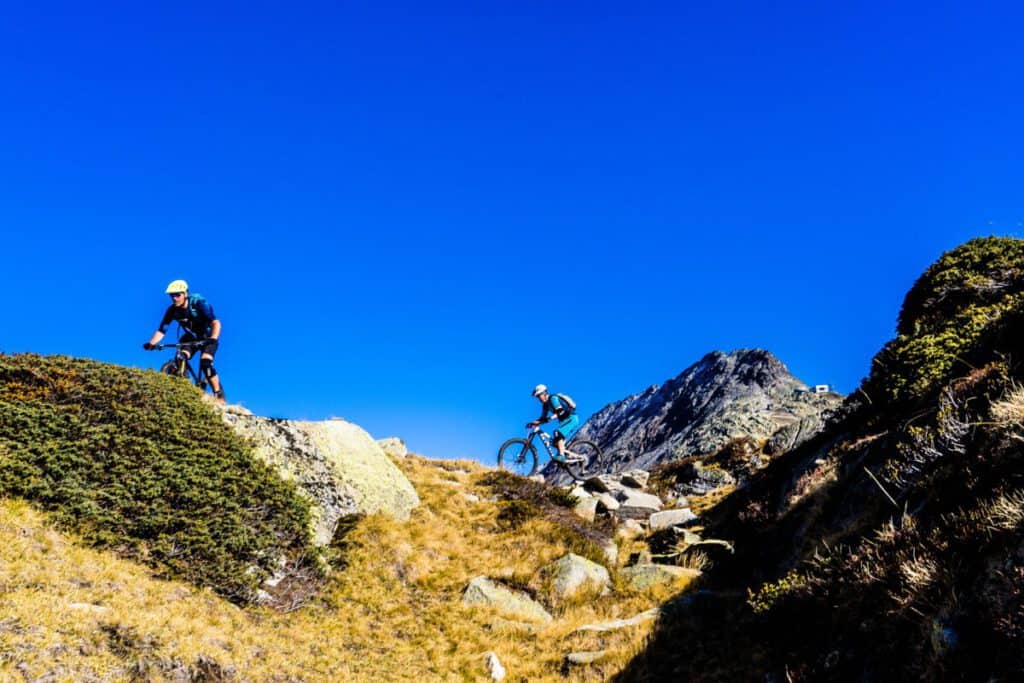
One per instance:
[(177, 287)]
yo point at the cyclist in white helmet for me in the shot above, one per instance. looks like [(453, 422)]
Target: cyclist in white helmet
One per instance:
[(196, 318), (562, 408)]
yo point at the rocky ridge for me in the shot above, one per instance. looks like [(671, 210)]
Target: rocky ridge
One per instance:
[(745, 393)]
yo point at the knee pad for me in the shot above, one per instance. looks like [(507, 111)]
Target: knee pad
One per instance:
[(206, 367)]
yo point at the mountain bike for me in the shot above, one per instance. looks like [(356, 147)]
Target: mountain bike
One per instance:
[(519, 456), (179, 366)]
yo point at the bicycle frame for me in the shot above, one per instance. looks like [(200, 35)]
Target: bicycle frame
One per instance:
[(185, 368), (553, 452)]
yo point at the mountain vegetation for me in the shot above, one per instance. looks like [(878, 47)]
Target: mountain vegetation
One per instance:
[(891, 545), (134, 462)]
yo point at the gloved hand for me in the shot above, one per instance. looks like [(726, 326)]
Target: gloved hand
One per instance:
[(148, 346)]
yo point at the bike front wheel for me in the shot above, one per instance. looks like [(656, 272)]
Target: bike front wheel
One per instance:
[(580, 456), (170, 368), (518, 456)]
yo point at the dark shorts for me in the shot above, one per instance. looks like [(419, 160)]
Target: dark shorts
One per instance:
[(210, 348)]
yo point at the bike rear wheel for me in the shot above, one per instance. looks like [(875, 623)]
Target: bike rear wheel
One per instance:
[(579, 457), (518, 456)]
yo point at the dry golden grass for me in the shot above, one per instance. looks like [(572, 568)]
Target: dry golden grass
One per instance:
[(394, 613), (701, 505), (1008, 412)]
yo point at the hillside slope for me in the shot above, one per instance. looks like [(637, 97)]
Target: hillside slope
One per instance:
[(136, 527), (135, 461), (391, 610), (891, 546)]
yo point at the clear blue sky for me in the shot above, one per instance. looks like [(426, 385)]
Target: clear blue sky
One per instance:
[(408, 215)]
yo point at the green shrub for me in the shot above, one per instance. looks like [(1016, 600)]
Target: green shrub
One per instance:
[(951, 309), (137, 461)]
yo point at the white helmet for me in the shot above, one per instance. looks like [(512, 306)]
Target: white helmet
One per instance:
[(177, 287), (539, 389)]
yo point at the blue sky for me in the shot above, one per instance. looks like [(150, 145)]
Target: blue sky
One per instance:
[(407, 214)]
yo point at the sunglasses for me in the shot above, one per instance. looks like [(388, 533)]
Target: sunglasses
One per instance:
[(177, 294)]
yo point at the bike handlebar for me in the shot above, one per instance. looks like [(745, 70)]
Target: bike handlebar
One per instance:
[(182, 345)]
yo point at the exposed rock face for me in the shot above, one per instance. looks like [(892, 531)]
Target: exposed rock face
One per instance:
[(484, 591), (393, 446), (334, 463), (721, 397)]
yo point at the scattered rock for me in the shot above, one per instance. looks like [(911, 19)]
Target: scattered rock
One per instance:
[(87, 607), (670, 518), (494, 667), (578, 491), (471, 497), (602, 483), (499, 624), (583, 658), (484, 591), (636, 478), (644, 576), (572, 574), (606, 503), (698, 479), (393, 447), (621, 623), (630, 528), (611, 552), (637, 505), (586, 508)]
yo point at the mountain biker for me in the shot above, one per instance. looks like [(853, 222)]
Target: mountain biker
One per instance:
[(196, 318), (556, 407)]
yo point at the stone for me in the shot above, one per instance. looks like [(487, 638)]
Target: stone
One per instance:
[(578, 491), (645, 576), (482, 591), (586, 508), (393, 447), (499, 624), (471, 497), (630, 528), (602, 483), (572, 574), (611, 552), (618, 624), (636, 505), (636, 478), (334, 464), (88, 607), (670, 518), (494, 667), (584, 658), (606, 503)]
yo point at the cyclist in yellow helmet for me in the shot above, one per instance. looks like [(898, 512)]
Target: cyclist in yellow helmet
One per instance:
[(198, 322)]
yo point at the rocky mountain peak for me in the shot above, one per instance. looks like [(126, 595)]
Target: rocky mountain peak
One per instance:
[(747, 392)]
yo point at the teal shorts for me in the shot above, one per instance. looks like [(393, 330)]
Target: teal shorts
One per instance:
[(567, 429)]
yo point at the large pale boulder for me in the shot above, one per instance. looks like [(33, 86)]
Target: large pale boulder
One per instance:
[(671, 518), (637, 505), (572, 574), (335, 464), (483, 591)]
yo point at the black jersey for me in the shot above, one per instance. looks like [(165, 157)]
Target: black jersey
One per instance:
[(197, 318)]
